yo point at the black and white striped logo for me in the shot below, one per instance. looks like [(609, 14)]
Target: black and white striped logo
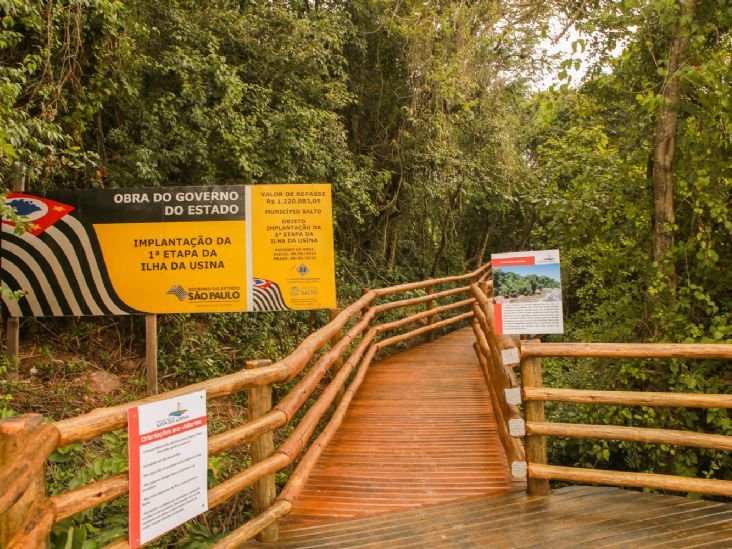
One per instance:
[(58, 271), (179, 292), (267, 296)]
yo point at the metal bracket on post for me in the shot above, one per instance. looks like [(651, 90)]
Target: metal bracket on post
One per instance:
[(510, 356)]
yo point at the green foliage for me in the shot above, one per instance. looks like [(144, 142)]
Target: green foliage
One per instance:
[(593, 149), (5, 389), (57, 69), (79, 464)]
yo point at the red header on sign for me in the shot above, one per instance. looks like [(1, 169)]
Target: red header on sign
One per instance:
[(177, 429), (513, 261)]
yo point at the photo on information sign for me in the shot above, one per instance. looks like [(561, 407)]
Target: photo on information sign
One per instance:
[(527, 283)]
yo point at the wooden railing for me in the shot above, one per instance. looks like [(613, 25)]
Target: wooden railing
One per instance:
[(536, 429), (27, 514), (495, 354), (338, 356)]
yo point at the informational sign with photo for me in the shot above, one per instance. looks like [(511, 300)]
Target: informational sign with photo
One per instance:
[(170, 250), (527, 293), (168, 452)]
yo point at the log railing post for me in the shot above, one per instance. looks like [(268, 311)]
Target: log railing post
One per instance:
[(364, 291), (431, 319), (338, 364), (264, 491), (534, 411), (14, 433)]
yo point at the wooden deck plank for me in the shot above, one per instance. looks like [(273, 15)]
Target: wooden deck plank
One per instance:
[(505, 504), (570, 517), (677, 516), (417, 464), (420, 431)]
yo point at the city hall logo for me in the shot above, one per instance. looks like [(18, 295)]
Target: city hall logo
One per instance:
[(178, 292)]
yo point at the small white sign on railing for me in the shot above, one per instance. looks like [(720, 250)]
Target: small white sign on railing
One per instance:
[(510, 356), (168, 452)]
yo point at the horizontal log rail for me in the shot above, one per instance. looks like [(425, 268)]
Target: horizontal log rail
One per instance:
[(395, 325), (636, 480), (362, 341), (698, 351), (423, 330), (412, 301), (432, 282), (628, 398), (631, 434)]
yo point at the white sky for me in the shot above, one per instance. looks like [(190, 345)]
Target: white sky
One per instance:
[(563, 48)]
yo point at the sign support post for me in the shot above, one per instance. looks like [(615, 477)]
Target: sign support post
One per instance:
[(12, 324), (151, 353)]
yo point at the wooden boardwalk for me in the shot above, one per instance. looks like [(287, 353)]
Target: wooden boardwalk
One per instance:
[(570, 517), (420, 431), (417, 463)]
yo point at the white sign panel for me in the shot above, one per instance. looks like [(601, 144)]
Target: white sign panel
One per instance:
[(168, 451), (527, 293)]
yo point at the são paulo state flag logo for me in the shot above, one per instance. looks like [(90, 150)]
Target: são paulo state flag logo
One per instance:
[(39, 213)]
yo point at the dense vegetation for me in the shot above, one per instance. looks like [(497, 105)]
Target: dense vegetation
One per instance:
[(426, 119)]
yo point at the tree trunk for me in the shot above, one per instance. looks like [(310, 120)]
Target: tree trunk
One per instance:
[(482, 247), (665, 148), (392, 249), (446, 221)]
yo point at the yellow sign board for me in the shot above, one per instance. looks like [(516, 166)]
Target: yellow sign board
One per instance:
[(171, 250)]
